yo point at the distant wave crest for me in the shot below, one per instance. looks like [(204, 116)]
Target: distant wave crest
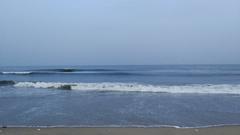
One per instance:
[(69, 71), (135, 87), (74, 70), (17, 73)]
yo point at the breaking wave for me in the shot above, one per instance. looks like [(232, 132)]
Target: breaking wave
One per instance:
[(17, 73), (135, 87)]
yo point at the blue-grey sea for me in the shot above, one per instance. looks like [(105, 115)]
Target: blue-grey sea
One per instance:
[(124, 96)]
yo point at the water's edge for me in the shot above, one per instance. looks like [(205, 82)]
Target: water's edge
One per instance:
[(116, 126)]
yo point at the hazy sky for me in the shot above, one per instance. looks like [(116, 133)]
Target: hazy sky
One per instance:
[(102, 32)]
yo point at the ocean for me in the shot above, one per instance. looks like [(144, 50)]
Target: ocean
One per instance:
[(120, 96)]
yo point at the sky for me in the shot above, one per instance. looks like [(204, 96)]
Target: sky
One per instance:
[(119, 32)]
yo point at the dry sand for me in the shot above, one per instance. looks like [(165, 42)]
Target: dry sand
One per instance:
[(226, 130)]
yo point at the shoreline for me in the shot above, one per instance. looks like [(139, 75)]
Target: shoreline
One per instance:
[(220, 130), (120, 126)]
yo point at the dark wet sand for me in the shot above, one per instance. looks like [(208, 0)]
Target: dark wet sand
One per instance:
[(226, 130)]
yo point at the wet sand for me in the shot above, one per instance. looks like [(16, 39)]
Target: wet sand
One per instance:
[(225, 130)]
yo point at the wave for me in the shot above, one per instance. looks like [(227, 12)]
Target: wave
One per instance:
[(74, 70), (135, 87), (69, 73), (17, 73), (6, 82), (115, 72)]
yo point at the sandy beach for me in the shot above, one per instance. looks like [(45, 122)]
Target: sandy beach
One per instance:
[(226, 130)]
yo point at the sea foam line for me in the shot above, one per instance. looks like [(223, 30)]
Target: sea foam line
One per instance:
[(17, 73), (135, 87), (121, 126)]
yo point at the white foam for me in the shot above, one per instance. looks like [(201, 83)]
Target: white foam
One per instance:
[(135, 87), (19, 73)]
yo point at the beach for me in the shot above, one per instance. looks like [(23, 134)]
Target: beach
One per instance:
[(225, 130)]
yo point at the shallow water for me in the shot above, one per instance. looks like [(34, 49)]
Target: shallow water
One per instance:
[(106, 106)]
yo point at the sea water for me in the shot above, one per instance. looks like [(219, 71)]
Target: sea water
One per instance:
[(124, 96)]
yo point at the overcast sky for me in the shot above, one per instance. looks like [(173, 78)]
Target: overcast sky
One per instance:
[(103, 32)]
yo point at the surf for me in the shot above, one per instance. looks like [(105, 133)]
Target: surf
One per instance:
[(136, 87)]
